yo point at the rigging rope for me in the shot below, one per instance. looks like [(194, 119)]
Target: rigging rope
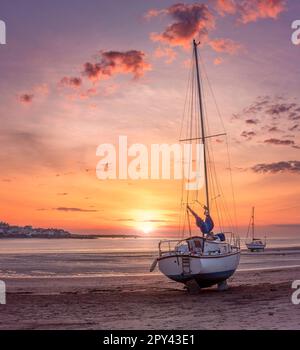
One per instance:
[(190, 129), (182, 220), (227, 145)]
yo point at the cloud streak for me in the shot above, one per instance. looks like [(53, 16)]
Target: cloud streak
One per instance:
[(252, 121), (115, 62), (26, 98), (226, 7), (225, 46), (72, 82), (278, 167), (267, 116), (66, 209), (248, 134), (165, 52), (134, 220), (278, 142)]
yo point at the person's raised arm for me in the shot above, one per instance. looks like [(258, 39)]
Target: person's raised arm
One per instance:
[(192, 212)]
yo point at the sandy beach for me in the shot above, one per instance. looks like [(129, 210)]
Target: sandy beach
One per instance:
[(84, 290)]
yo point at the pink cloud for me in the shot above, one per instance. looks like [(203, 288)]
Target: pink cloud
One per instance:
[(72, 82), (153, 13), (226, 7), (218, 61), (115, 62), (42, 90), (88, 93), (26, 98), (165, 52), (189, 21), (251, 10), (225, 45)]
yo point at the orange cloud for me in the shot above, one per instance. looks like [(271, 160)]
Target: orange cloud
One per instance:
[(115, 62), (166, 52), (226, 7), (26, 98), (88, 93), (218, 61), (225, 45), (251, 10), (72, 82), (189, 21), (153, 13), (41, 90)]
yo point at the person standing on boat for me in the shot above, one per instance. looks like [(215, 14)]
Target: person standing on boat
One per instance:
[(207, 225)]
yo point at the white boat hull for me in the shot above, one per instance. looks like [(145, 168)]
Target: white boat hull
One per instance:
[(205, 270), (256, 246)]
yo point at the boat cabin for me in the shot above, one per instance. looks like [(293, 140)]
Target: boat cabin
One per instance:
[(196, 246)]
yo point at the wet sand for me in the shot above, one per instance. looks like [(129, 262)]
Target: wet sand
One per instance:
[(259, 296)]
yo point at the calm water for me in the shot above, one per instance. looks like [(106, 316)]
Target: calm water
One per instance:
[(104, 245), (107, 257)]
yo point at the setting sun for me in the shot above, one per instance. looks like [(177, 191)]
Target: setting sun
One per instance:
[(146, 227)]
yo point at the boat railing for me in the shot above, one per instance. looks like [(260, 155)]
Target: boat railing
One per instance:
[(233, 240), (168, 246)]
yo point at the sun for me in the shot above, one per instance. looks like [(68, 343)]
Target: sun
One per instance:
[(145, 220), (146, 228)]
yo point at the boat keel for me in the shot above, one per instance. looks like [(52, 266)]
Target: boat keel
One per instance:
[(192, 287), (204, 280), (223, 286)]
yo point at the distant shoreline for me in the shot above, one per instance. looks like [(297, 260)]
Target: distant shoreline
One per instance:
[(13, 231), (75, 236), (72, 236)]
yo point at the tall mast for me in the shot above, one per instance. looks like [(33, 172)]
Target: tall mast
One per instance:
[(253, 223), (203, 136)]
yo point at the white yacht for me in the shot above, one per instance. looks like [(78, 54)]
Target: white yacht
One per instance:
[(256, 244), (210, 258)]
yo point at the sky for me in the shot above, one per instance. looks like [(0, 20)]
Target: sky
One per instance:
[(77, 74)]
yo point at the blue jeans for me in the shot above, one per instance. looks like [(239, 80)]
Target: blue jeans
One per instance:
[(205, 226)]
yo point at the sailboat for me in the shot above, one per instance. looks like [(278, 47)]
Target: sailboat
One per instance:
[(199, 260), (256, 244)]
